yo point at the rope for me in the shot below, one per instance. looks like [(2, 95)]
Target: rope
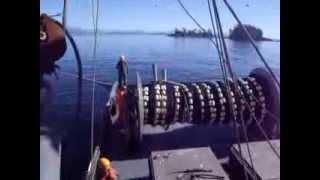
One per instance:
[(194, 20), (95, 24), (216, 40), (226, 58), (252, 42), (247, 144), (266, 136), (76, 52), (225, 53), (247, 105), (236, 86), (262, 130), (275, 117), (234, 77), (93, 15), (75, 49), (102, 83), (55, 15), (79, 68)]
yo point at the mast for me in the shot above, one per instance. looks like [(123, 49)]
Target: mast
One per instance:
[(64, 17)]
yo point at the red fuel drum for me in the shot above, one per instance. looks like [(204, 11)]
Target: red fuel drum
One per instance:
[(52, 43)]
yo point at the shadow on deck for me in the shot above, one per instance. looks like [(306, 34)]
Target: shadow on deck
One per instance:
[(177, 137)]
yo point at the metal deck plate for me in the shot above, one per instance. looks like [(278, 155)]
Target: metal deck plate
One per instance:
[(49, 159), (172, 164), (266, 163), (132, 169)]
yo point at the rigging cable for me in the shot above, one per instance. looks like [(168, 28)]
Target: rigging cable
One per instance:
[(221, 63), (75, 49), (220, 55), (216, 40), (236, 131), (195, 21), (79, 68), (102, 83), (76, 52), (252, 41), (55, 15), (95, 25), (275, 117), (246, 103), (219, 51)]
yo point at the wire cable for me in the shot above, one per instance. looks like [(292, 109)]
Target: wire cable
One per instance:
[(226, 56), (95, 24), (252, 42)]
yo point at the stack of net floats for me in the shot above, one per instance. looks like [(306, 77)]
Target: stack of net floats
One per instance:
[(204, 102)]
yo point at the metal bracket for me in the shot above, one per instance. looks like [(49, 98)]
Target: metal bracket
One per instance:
[(93, 164), (140, 108)]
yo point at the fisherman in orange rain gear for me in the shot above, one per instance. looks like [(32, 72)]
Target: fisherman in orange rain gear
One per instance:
[(109, 173)]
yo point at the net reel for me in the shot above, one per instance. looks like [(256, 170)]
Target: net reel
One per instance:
[(163, 103)]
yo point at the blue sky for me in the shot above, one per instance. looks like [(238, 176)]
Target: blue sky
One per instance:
[(165, 15)]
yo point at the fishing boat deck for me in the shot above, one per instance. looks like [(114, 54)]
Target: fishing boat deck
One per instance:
[(265, 163), (75, 155), (179, 136), (186, 163), (183, 136)]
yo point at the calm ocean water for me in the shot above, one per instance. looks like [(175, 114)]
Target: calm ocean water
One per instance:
[(185, 59)]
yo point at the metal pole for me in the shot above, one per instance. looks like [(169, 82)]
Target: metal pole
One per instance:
[(155, 72), (64, 17), (164, 74)]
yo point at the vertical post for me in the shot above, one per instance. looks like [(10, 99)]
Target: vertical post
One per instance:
[(164, 74), (155, 72), (64, 16)]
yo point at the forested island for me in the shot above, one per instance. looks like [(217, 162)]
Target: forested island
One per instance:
[(236, 34), (183, 32)]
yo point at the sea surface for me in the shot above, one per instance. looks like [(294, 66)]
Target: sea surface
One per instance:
[(184, 58)]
